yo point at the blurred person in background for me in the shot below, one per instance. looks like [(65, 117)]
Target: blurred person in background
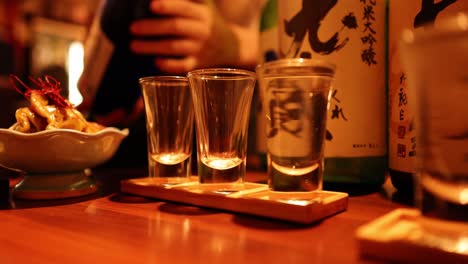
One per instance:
[(132, 39)]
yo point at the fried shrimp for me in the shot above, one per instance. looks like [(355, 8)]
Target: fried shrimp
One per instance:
[(48, 109)]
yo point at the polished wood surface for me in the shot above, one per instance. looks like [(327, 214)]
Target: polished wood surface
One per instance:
[(111, 227)]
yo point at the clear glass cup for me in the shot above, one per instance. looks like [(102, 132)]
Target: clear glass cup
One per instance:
[(436, 62), (222, 99), (169, 125), (296, 95)]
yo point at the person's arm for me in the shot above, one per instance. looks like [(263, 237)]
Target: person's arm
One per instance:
[(240, 20), (208, 34)]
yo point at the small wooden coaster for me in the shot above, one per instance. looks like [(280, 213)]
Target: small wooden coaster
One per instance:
[(405, 236), (248, 198)]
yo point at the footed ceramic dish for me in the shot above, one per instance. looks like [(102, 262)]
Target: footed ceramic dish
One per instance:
[(57, 163)]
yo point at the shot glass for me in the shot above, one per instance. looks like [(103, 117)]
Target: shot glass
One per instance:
[(439, 88), (221, 100), (296, 94), (169, 125)]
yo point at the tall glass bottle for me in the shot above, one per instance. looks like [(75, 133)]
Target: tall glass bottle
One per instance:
[(109, 82), (350, 34), (111, 69), (402, 141)]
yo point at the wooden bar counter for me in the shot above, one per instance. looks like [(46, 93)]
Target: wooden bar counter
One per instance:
[(112, 227)]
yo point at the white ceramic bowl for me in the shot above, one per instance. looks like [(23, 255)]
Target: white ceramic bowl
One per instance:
[(56, 159), (58, 150)]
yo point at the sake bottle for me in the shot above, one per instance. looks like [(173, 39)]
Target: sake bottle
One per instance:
[(350, 34), (109, 82), (416, 15), (111, 69)]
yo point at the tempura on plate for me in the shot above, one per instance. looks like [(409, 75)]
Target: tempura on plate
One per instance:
[(48, 109)]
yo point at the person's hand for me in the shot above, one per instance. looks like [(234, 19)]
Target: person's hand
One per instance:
[(184, 28)]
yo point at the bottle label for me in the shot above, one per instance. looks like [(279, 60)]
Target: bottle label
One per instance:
[(350, 34), (295, 116), (402, 132)]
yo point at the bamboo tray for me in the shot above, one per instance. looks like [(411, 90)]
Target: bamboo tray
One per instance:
[(404, 236), (252, 198)]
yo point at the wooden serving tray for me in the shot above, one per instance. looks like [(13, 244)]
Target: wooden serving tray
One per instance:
[(251, 198), (404, 236)]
